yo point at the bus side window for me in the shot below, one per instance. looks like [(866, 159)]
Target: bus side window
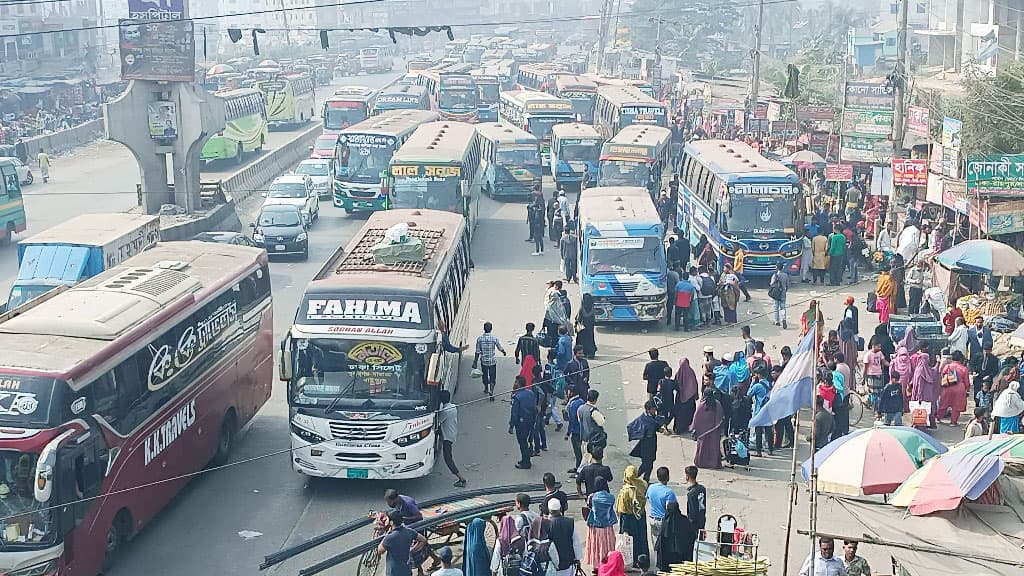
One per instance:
[(131, 383), (105, 400)]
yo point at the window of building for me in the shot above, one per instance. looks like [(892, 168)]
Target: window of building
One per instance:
[(890, 41)]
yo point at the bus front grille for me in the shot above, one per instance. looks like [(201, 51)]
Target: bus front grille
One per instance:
[(621, 287), (362, 193), (358, 431), (357, 457)]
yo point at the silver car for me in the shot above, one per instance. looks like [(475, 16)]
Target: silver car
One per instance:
[(295, 190), (321, 172)]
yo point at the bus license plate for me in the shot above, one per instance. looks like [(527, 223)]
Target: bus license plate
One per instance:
[(280, 247), (363, 204), (763, 260), (357, 473)]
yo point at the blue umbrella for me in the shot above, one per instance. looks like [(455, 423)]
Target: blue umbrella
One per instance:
[(983, 257)]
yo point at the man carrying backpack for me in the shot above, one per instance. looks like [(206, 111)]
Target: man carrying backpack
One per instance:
[(565, 541), (537, 555), (778, 286)]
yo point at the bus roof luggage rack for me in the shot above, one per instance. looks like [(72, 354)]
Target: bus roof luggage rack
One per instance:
[(362, 257)]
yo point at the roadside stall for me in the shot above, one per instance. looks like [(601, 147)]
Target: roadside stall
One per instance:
[(975, 270)]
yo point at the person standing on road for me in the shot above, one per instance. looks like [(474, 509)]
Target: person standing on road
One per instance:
[(521, 420), (486, 344), (567, 247), (44, 164), (737, 268), (696, 499), (630, 505), (658, 496), (685, 293), (586, 321), (538, 220), (675, 544), (671, 279), (573, 432), (778, 287), (528, 346), (759, 392), (399, 546), (806, 256), (600, 522), (577, 372), (644, 431), (819, 258), (21, 151), (445, 554), (592, 423), (565, 541), (654, 370), (836, 256), (855, 565), (824, 563), (448, 424)]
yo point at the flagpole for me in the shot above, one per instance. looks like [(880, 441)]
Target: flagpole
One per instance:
[(813, 524), (793, 487)]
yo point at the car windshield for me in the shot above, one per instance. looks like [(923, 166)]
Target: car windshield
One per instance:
[(22, 294), (359, 374), (26, 521), (363, 164), (340, 118), (630, 255), (623, 173), (457, 98), (760, 215), (288, 190), (269, 218), (314, 168), (580, 152)]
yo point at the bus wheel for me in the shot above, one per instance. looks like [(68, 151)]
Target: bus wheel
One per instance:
[(120, 530), (9, 236), (226, 440), (239, 153), (259, 149)]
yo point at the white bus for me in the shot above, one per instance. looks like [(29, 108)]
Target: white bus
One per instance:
[(364, 360)]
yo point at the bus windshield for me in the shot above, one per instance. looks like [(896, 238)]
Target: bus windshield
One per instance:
[(26, 521), (630, 255), (625, 173), (363, 164), (359, 374), (457, 98), (428, 192), (518, 157), (579, 152), (760, 215), (488, 92), (541, 126), (339, 118)]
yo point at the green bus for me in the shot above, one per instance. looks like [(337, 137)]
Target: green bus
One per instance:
[(438, 168), (510, 160), (12, 205), (290, 99), (245, 126), (363, 154)]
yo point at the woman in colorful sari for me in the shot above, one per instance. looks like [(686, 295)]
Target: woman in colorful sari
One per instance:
[(885, 295), (729, 294), (630, 506), (707, 430), (811, 316), (924, 385), (954, 379), (686, 396), (902, 367)]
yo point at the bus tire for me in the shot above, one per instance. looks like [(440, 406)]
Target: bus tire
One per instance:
[(226, 440), (349, 211), (9, 236), (259, 149), (239, 154), (119, 533)]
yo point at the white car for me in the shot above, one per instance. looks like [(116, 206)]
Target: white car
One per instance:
[(321, 172), (295, 190), (24, 172)]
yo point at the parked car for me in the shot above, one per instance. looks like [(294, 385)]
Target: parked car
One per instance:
[(236, 238), (281, 229), (321, 172), (295, 190), (24, 172)]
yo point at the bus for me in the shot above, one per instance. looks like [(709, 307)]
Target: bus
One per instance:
[(581, 92), (488, 90), (507, 72), (738, 198), (455, 48), (637, 156), (641, 85), (245, 127), (364, 360), (473, 54), (401, 97), (162, 360), (452, 92), (347, 106), (363, 154), (574, 147), (438, 168), (510, 160), (290, 99), (12, 205), (539, 77), (376, 59), (620, 106), (537, 113), (622, 254)]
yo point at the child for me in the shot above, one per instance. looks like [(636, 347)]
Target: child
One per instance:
[(984, 398), (874, 364), (890, 402), (978, 425)]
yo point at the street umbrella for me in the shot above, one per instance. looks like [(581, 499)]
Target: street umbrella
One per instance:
[(807, 160), (943, 482), (1006, 447), (983, 257), (220, 69), (872, 460)]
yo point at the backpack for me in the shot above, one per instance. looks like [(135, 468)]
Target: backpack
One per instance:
[(708, 287), (759, 363), (949, 378), (540, 547), (557, 379), (775, 288)]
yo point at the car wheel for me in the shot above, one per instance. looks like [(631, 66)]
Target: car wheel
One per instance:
[(349, 211), (305, 254), (29, 178)]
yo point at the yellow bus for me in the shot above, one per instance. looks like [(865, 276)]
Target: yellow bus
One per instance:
[(290, 100)]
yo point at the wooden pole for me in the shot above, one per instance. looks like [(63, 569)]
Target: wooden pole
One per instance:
[(813, 525), (793, 487)]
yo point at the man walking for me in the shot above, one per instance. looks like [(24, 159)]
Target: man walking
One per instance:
[(486, 344), (778, 287), (592, 422), (574, 431), (686, 292), (658, 497), (44, 164), (448, 425), (528, 346), (671, 279), (737, 269), (824, 563), (696, 499), (644, 431), (564, 538), (836, 256), (567, 248), (521, 420), (577, 372), (654, 371)]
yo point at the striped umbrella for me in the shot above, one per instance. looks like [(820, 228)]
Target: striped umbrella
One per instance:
[(944, 482), (1007, 448), (872, 460)]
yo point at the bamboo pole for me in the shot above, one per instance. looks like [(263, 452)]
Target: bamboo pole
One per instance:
[(793, 488), (813, 525)]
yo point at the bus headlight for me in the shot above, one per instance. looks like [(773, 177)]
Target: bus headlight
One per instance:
[(47, 568), (410, 439), (728, 249), (308, 436)]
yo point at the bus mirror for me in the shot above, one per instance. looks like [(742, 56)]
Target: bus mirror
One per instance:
[(433, 369), (284, 363), (45, 466)]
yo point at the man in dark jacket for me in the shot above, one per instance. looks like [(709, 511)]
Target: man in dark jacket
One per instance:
[(522, 418), (644, 431)]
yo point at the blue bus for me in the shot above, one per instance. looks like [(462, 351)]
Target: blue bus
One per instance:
[(622, 258), (573, 148), (739, 198), (488, 88), (509, 160), (637, 156), (400, 96)]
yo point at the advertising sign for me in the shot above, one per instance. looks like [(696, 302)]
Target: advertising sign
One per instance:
[(867, 123), (951, 146), (162, 50), (996, 175), (870, 95), (839, 173), (865, 149), (917, 121), (910, 172), (156, 9), (812, 112), (774, 111), (1005, 217), (163, 120)]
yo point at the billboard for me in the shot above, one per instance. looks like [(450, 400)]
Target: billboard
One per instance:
[(156, 10), (910, 172), (163, 50), (951, 146), (917, 120)]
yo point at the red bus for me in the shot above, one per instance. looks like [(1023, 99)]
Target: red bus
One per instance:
[(143, 373)]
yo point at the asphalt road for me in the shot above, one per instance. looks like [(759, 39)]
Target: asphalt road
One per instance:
[(101, 177)]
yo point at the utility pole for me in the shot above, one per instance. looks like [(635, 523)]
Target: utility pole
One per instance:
[(958, 39), (900, 80), (755, 79), (287, 32), (606, 10)]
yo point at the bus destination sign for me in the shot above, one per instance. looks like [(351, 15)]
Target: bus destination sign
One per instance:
[(405, 313), (548, 106), (625, 150), (433, 172), (762, 189)]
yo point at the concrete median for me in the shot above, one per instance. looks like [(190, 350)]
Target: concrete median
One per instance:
[(261, 172), (65, 140)]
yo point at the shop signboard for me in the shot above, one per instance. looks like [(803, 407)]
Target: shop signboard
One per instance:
[(163, 50), (870, 96), (996, 175), (156, 9), (871, 150), (867, 123), (917, 120), (973, 208), (774, 111), (951, 146), (839, 172), (784, 129), (1005, 217), (909, 172), (806, 112)]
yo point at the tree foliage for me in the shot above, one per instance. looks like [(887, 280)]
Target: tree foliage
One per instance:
[(992, 112), (699, 34)]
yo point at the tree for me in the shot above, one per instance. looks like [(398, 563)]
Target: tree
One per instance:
[(992, 112), (698, 34)]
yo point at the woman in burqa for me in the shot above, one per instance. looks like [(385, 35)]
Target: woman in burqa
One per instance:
[(676, 540), (881, 337), (476, 558), (924, 385), (902, 366), (585, 321), (707, 430), (554, 316), (686, 397)]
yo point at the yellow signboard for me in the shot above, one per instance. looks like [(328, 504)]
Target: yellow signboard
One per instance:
[(426, 171)]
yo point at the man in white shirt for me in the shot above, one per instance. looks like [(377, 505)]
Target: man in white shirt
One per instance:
[(825, 561), (884, 242), (909, 242)]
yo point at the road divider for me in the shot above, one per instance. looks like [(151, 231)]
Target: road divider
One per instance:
[(257, 175), (64, 140)]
